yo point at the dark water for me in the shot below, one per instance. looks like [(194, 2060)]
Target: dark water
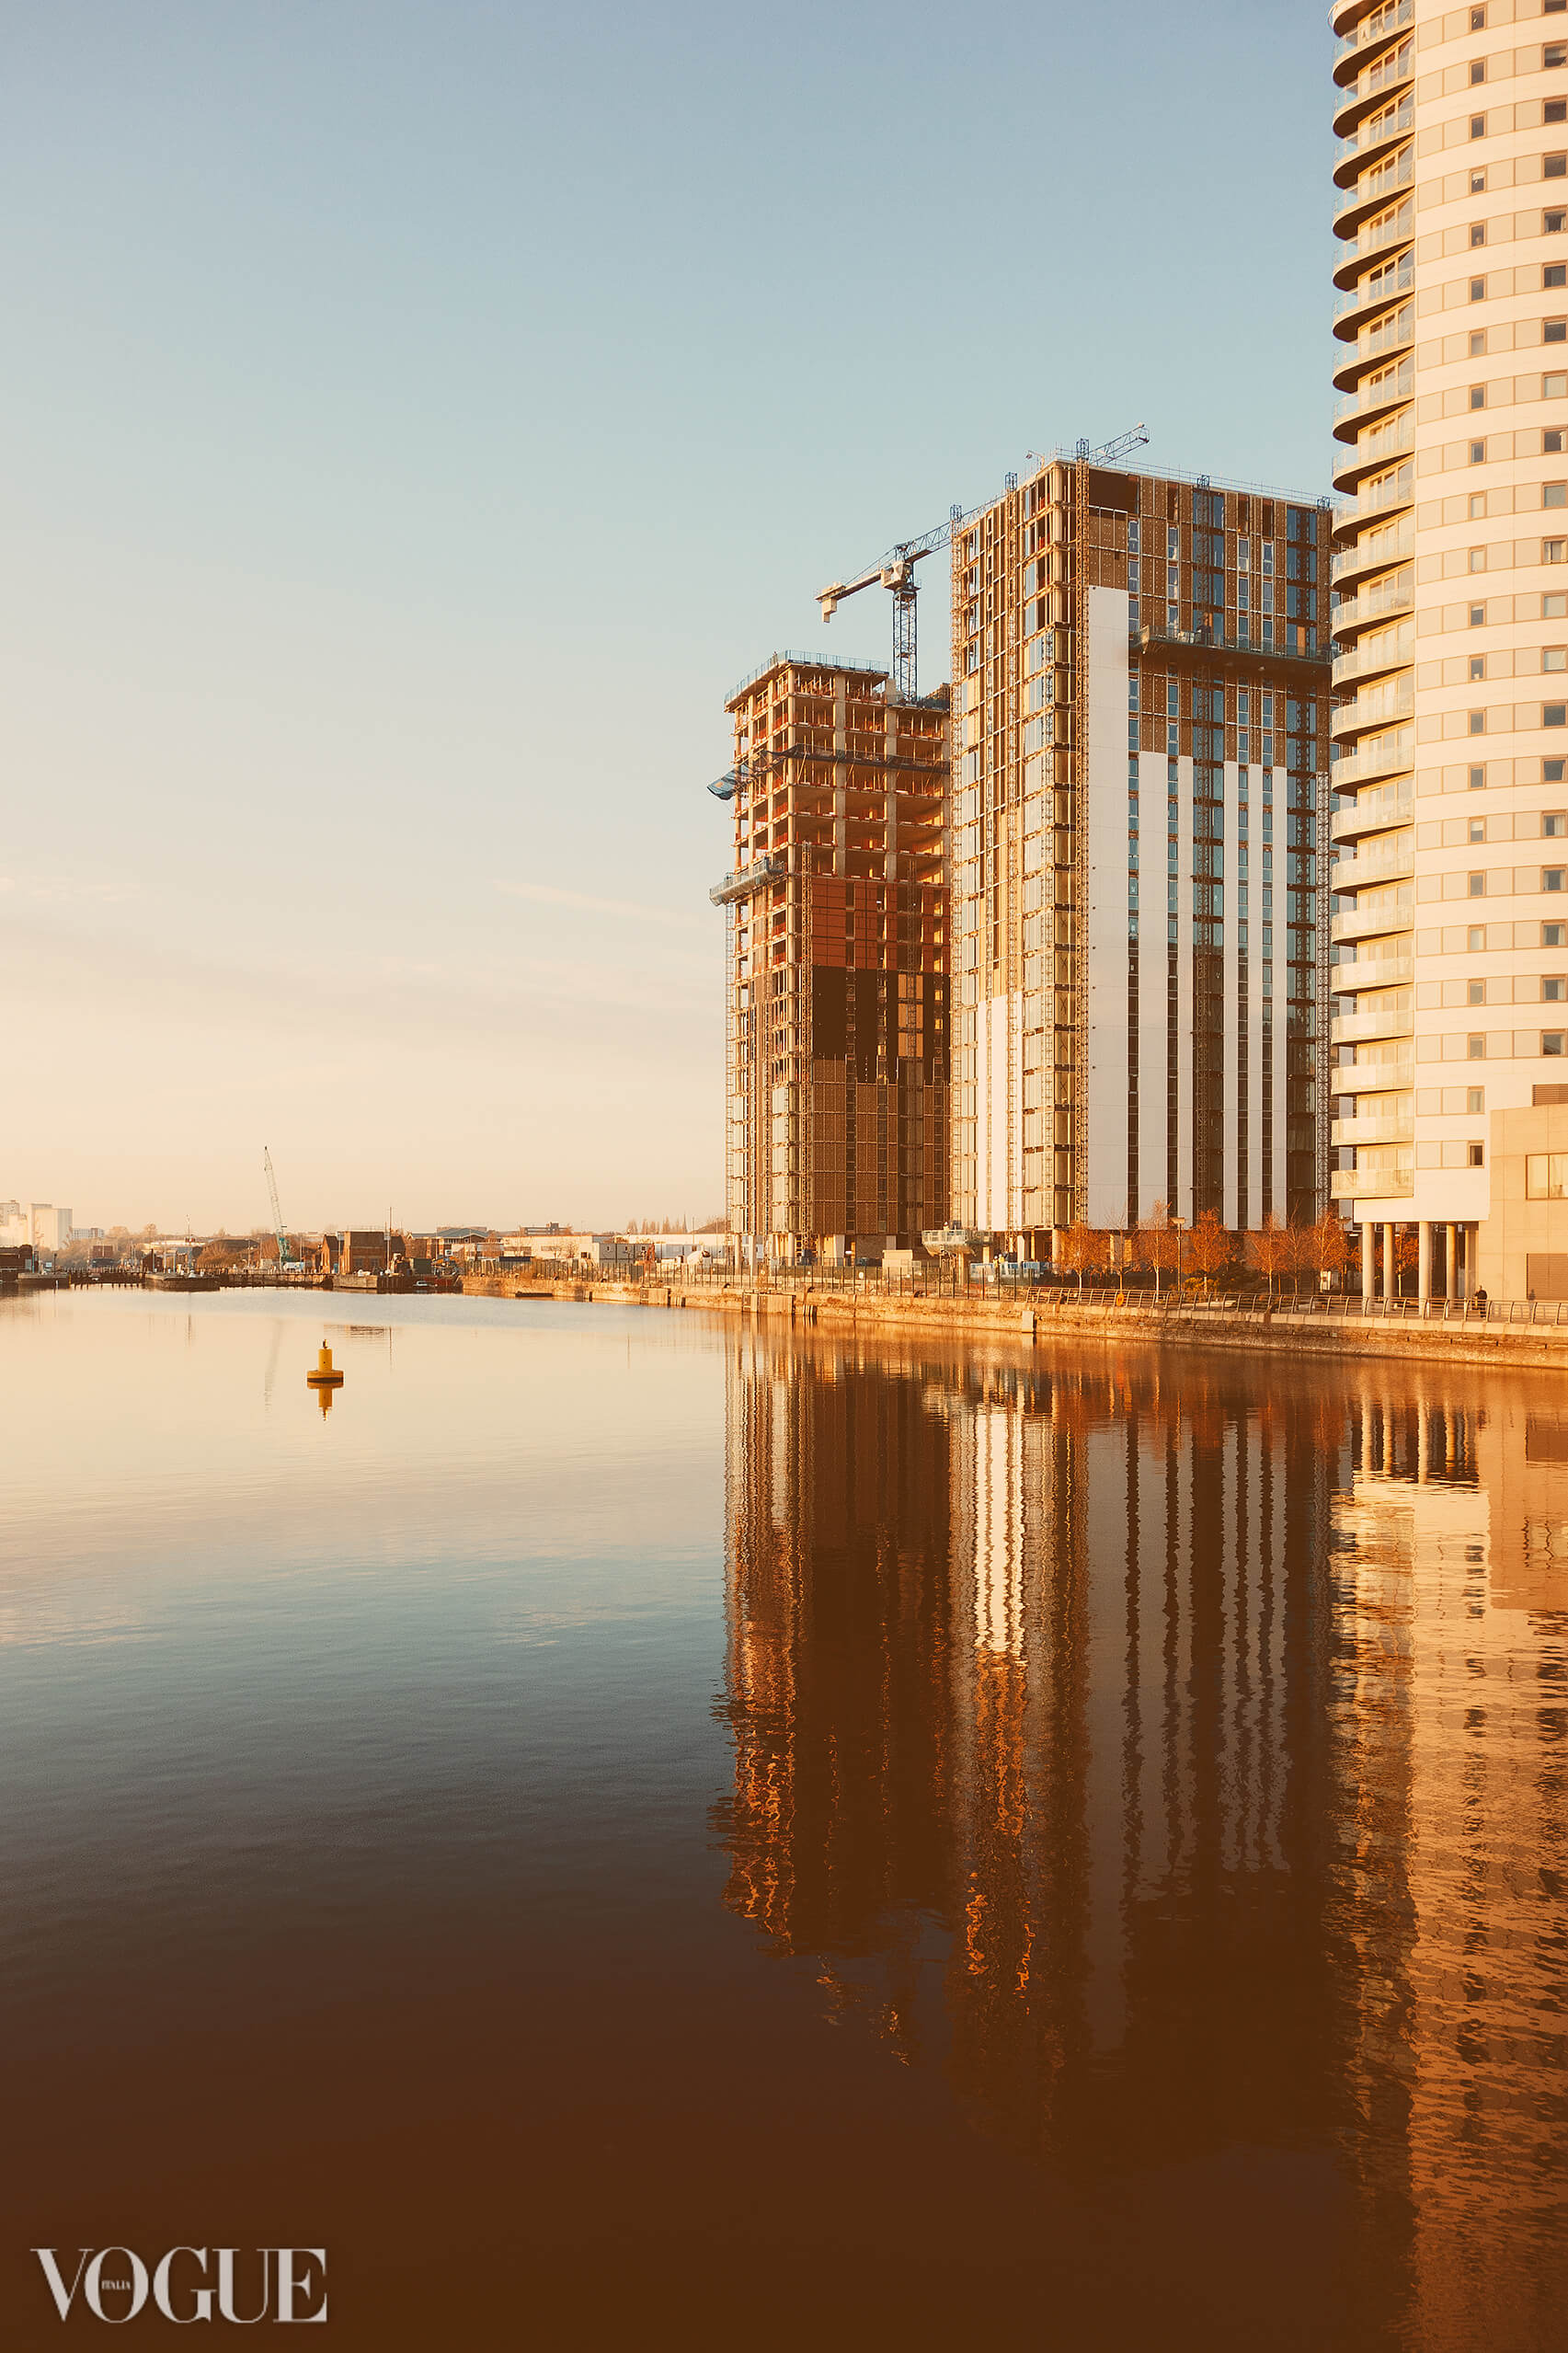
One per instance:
[(627, 1831)]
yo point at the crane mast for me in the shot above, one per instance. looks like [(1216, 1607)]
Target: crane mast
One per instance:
[(284, 1259)]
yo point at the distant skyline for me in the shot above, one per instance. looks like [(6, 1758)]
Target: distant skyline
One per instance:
[(418, 419)]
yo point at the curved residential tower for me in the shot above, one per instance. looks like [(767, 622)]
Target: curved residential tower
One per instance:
[(1451, 618)]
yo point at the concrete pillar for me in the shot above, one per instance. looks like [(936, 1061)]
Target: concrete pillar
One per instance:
[(1389, 1279), (1451, 1260), (1369, 1260), (1424, 1260)]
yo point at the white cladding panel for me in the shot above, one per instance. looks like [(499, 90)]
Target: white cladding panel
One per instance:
[(1105, 916)]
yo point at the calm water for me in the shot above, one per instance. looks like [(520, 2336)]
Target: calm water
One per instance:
[(629, 1832)]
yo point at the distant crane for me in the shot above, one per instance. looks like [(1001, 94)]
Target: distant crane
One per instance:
[(896, 570), (285, 1256)]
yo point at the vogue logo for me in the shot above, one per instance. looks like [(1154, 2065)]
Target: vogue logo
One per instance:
[(114, 2283)]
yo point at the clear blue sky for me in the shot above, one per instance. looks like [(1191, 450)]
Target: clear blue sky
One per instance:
[(417, 417)]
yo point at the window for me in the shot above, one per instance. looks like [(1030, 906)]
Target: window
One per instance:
[(1554, 273), (1553, 714), (1475, 1100), (1478, 290), (1552, 442), (1555, 825), (1554, 494), (1475, 992), (1554, 330), (1554, 658), (1478, 126), (1554, 608), (1554, 167), (1552, 877), (1552, 1042), (1478, 665), (1478, 21), (1478, 183), (1476, 884), (1554, 988), (1551, 772), (1477, 558), (1478, 722), (1478, 616), (1478, 829), (1477, 69), (1475, 1050), (1477, 1155), (1555, 53), (1478, 453), (1477, 233), (1478, 395), (1475, 938), (1477, 342), (1552, 223), (1550, 552), (1546, 1175), (1477, 780), (1554, 935)]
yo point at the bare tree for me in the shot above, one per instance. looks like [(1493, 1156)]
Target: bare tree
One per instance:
[(1268, 1247), (1158, 1243), (1212, 1248), (1327, 1250), (1084, 1251)]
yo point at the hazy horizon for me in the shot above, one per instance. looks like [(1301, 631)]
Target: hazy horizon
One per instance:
[(419, 420)]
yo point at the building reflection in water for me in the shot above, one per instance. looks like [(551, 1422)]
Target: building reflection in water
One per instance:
[(1175, 1755)]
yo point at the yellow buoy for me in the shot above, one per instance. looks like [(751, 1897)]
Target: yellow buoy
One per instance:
[(325, 1377)]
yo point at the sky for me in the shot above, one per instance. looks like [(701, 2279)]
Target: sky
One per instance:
[(418, 417)]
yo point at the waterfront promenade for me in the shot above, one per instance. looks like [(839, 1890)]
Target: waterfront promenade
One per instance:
[(1523, 1333)]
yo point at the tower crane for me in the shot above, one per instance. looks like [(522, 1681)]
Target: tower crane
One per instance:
[(284, 1256), (896, 570)]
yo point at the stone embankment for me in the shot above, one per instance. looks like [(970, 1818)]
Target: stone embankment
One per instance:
[(1139, 1321)]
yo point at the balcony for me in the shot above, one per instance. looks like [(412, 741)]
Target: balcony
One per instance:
[(1394, 440), (1397, 333), (1372, 866), (1372, 1184), (1386, 969), (1394, 699), (1350, 514), (1383, 603), (1395, 544), (1394, 1127), (1371, 294), (1363, 37), (1373, 813), (1371, 139), (1353, 256), (1373, 401), (1372, 1078), (1373, 191), (1372, 922), (1396, 652), (1361, 1028), (1388, 757)]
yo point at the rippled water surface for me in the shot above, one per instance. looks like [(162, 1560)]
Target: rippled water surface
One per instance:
[(628, 1830)]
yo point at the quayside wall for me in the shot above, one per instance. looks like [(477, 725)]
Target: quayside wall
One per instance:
[(1226, 1325)]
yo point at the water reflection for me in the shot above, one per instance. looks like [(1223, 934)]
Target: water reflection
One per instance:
[(1178, 1763)]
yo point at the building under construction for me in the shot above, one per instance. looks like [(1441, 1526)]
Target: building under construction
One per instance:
[(837, 1021), (1139, 837)]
